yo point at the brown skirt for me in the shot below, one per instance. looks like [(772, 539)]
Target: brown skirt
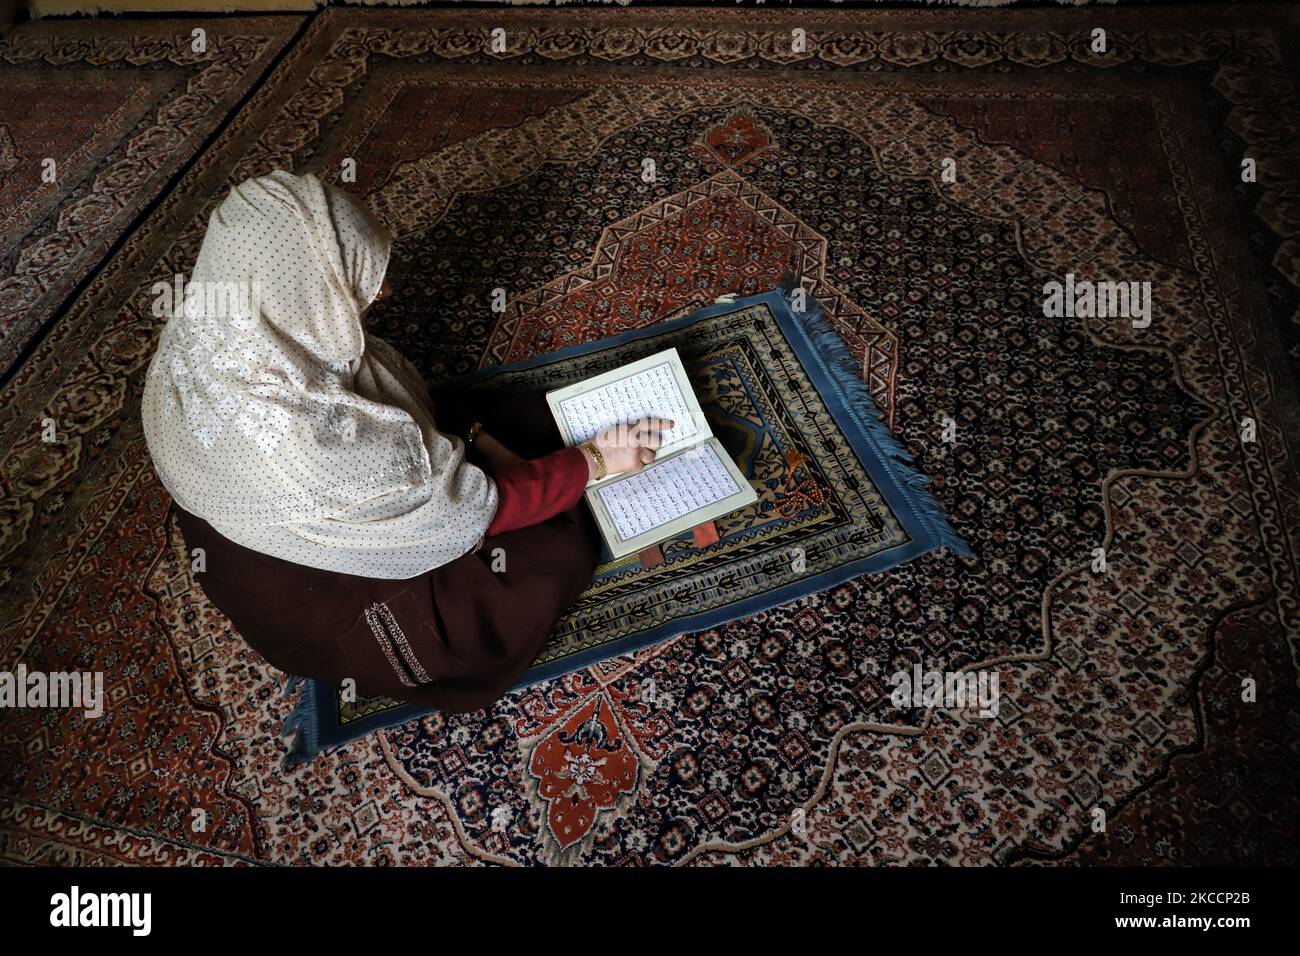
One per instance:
[(455, 638)]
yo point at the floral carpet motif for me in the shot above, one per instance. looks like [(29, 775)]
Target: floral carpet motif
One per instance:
[(763, 740)]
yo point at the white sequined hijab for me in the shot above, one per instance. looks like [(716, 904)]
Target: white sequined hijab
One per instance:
[(273, 416)]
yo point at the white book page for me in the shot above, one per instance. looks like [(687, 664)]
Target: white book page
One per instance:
[(666, 491), (651, 392)]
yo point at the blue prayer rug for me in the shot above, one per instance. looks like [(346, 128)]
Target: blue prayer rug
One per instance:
[(837, 496)]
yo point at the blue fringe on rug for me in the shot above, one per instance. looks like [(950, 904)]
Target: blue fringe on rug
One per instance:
[(314, 725), (301, 724), (843, 368)]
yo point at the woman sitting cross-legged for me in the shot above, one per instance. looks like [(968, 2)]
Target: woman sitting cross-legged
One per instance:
[(352, 525)]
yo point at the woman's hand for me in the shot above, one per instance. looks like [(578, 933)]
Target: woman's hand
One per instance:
[(629, 447)]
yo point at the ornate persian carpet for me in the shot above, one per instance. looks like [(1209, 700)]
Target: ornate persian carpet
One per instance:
[(97, 117), (836, 498), (922, 175)]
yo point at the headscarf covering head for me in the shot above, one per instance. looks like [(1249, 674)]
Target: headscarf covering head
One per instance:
[(270, 413), (311, 259)]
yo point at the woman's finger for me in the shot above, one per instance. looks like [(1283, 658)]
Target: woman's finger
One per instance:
[(647, 429), (647, 455)]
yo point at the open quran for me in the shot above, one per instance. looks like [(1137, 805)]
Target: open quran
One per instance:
[(692, 479)]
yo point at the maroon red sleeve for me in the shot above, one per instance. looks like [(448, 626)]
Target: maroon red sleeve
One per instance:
[(530, 492)]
